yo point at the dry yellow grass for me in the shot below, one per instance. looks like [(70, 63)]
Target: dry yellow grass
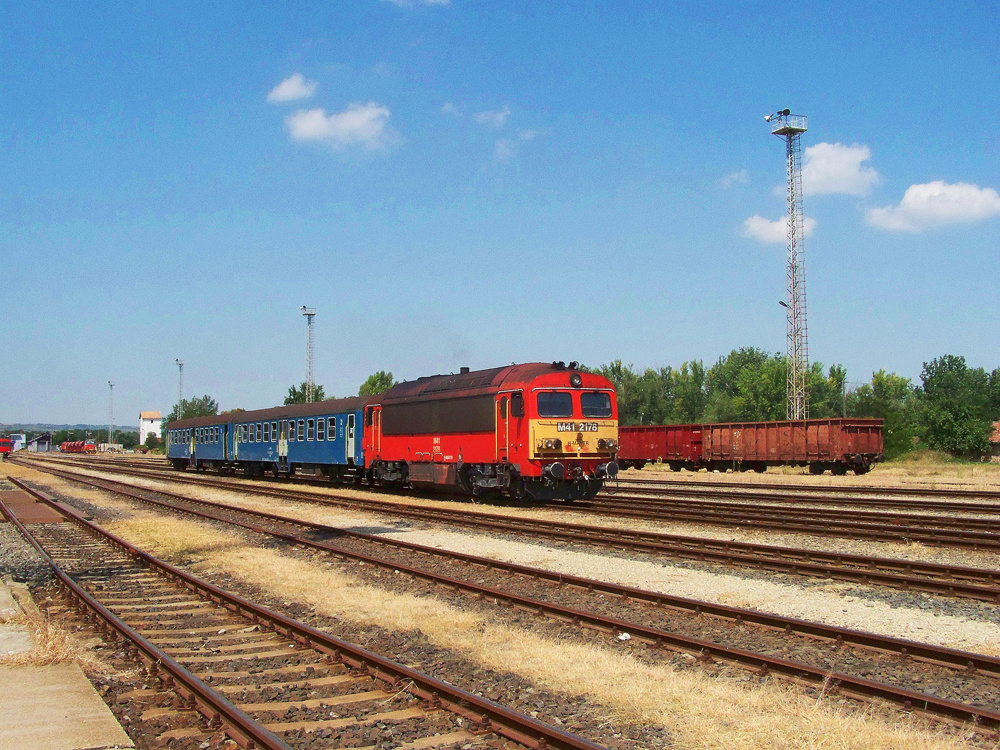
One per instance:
[(700, 712), (52, 645)]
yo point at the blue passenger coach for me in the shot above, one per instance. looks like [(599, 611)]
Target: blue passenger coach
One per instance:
[(321, 439)]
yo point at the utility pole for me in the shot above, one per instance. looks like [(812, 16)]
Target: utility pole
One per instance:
[(791, 127), (310, 313), (180, 385), (111, 413)]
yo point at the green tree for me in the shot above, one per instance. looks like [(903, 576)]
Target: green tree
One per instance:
[(298, 395), (956, 407), (152, 441), (893, 399), (744, 385), (690, 396), (206, 406), (377, 383), (827, 398), (127, 439)]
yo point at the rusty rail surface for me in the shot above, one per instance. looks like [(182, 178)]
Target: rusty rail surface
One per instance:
[(706, 650), (949, 580), (481, 712)]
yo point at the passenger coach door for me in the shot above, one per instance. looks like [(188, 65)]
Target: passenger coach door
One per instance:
[(503, 429), (349, 442), (283, 445)]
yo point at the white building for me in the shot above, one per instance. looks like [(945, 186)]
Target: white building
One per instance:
[(149, 422)]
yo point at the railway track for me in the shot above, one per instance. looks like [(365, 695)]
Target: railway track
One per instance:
[(949, 580), (963, 685), (877, 496), (762, 511), (257, 674)]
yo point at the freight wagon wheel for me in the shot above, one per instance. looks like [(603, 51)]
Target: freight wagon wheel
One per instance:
[(838, 470), (859, 470)]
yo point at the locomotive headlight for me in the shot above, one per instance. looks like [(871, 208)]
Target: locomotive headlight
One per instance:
[(548, 445), (557, 444), (575, 380), (602, 444)]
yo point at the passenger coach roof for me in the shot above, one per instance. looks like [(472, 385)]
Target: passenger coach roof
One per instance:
[(330, 406), (466, 383)]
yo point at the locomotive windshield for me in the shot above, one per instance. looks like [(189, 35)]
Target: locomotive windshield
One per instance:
[(555, 404), (596, 404)]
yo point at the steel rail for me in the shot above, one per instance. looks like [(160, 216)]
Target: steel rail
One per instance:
[(949, 580), (705, 650), (952, 658), (815, 496), (483, 713), (965, 531), (199, 696), (831, 489)]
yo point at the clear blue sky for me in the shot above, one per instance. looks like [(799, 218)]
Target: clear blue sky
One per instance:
[(474, 183)]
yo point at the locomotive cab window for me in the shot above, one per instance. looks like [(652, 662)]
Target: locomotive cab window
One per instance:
[(503, 407), (517, 405), (596, 404), (555, 404)]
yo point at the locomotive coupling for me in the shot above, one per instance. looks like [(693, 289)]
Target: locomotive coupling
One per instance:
[(554, 470), (610, 469)]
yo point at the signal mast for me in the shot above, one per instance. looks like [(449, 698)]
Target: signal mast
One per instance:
[(791, 127)]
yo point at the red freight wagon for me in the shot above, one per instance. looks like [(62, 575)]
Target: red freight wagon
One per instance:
[(820, 444), (676, 444)]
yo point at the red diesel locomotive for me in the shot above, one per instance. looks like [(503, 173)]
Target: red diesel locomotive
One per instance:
[(538, 431)]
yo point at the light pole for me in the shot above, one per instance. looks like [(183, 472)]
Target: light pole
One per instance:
[(790, 128), (180, 385), (310, 313), (111, 413)]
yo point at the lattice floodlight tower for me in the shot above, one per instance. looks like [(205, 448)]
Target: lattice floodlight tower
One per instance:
[(310, 313), (791, 127), (180, 385)]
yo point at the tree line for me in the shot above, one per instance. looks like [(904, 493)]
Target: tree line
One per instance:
[(952, 409)]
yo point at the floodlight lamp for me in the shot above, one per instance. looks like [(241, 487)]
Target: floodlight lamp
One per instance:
[(782, 303), (767, 118)]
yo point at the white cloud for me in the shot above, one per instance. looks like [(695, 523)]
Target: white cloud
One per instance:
[(773, 232), (415, 3), (450, 109), (292, 88), (363, 124), (496, 118), (506, 149), (836, 168), (739, 177), (937, 204)]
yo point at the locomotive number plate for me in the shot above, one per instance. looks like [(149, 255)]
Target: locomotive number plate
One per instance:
[(575, 427)]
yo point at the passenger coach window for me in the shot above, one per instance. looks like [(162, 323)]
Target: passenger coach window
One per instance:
[(302, 430), (291, 430), (331, 428), (310, 429), (596, 404), (260, 433), (267, 432), (555, 405), (321, 429), (274, 432)]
